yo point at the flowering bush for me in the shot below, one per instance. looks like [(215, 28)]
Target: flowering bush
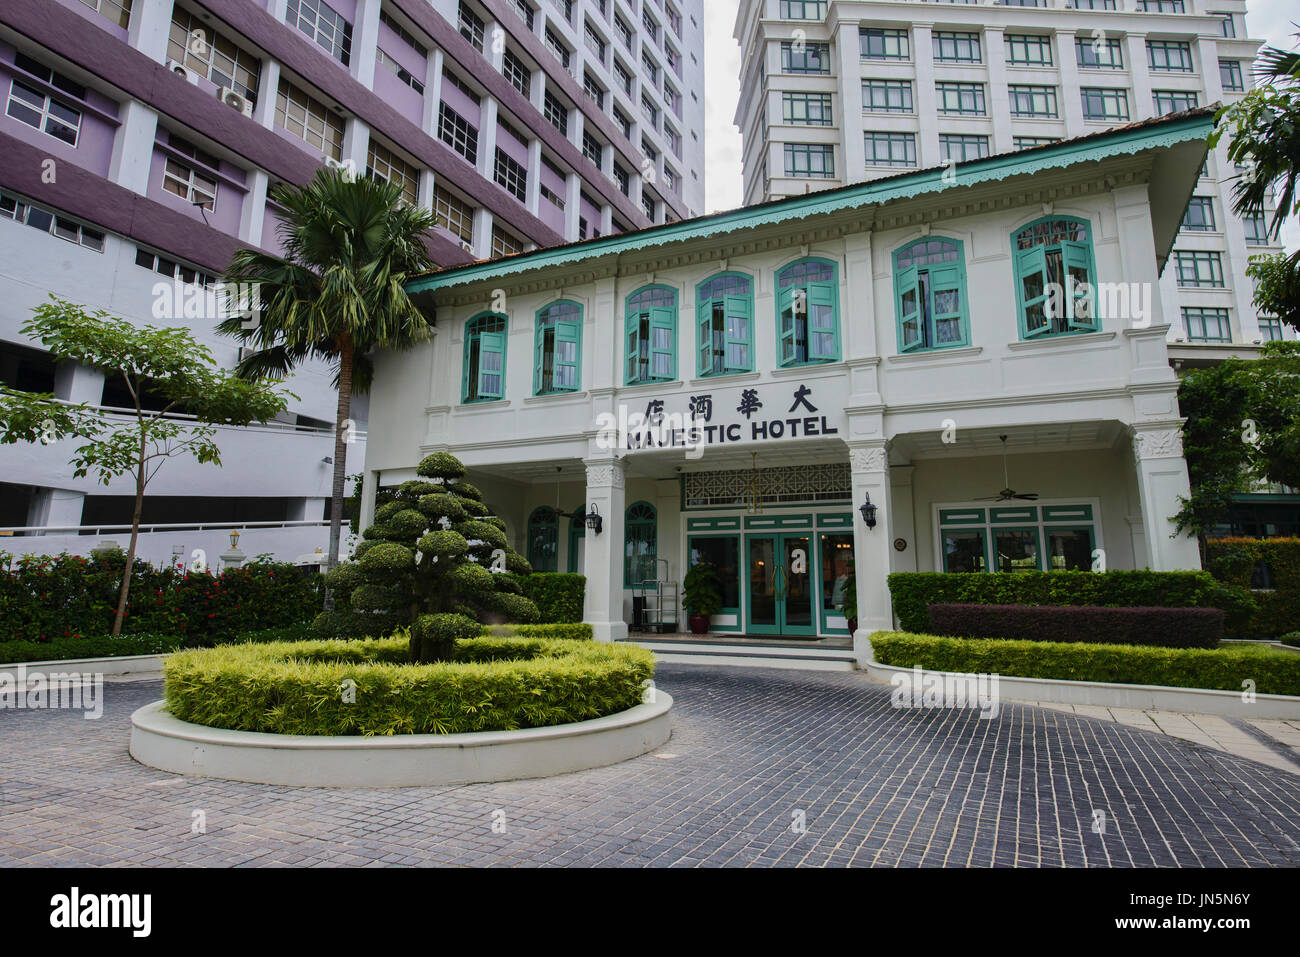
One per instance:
[(48, 597)]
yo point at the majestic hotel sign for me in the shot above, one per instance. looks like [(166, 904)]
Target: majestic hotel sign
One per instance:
[(693, 421)]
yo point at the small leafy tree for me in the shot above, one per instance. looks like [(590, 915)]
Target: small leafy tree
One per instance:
[(435, 560), (1243, 424), (166, 364), (1277, 288)]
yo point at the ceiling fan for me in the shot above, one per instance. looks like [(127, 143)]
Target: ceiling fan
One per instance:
[(1008, 493)]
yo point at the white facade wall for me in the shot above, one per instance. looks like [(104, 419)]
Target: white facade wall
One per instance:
[(761, 28), (1091, 418)]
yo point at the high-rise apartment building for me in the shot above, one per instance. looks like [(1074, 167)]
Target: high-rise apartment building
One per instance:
[(852, 91), (140, 138)]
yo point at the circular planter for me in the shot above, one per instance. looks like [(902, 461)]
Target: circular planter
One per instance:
[(415, 760), (699, 624)]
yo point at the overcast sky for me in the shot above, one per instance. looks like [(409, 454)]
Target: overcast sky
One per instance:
[(1268, 20)]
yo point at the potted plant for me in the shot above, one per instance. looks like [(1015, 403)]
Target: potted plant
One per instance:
[(702, 596), (850, 605)]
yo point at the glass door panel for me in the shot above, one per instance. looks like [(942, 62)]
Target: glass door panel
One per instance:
[(1016, 549), (963, 551), (763, 580), (795, 597)]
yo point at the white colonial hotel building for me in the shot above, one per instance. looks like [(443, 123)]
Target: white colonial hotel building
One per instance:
[(871, 342)]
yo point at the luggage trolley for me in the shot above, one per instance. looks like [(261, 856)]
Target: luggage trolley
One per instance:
[(654, 602)]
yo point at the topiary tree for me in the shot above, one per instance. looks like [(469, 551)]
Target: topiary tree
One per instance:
[(435, 560)]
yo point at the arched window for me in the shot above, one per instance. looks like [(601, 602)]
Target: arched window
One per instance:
[(577, 532), (1054, 278), (484, 375), (640, 543), (651, 335), (807, 309), (724, 311), (930, 295), (543, 539), (558, 363)]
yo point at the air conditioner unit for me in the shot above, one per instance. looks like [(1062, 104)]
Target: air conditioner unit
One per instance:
[(235, 101), (180, 69), (466, 246)]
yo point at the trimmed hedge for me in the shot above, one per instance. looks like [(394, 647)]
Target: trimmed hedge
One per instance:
[(1291, 638), (1157, 627), (576, 632), (558, 596), (1274, 671), (1233, 561), (62, 649), (46, 597), (494, 684), (914, 592)]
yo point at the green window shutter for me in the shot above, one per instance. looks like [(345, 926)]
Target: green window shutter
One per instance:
[(910, 334), (566, 364), (786, 351), (632, 334), (1080, 305), (739, 342), (704, 337), (663, 344), (948, 305), (1031, 291), (539, 357), (823, 327), (466, 374), (491, 365)]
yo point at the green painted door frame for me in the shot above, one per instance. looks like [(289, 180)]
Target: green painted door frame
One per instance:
[(778, 596)]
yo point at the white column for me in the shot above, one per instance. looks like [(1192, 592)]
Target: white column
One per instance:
[(927, 100), (252, 215), (850, 118), (487, 139), (59, 508), (1071, 104), (268, 88), (133, 147), (365, 37), (482, 234), (533, 187), (356, 143), (1162, 481), (76, 383), (999, 101), (433, 92), (369, 491), (1142, 107), (902, 518), (603, 561), (149, 29), (572, 206), (869, 463)]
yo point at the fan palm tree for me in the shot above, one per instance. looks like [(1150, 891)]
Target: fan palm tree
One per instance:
[(338, 292)]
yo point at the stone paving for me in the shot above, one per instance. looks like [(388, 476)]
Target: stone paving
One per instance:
[(754, 753)]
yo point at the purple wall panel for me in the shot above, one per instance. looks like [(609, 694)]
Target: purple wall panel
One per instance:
[(512, 147), (398, 95), (225, 217), (397, 48), (101, 22), (455, 98), (551, 214)]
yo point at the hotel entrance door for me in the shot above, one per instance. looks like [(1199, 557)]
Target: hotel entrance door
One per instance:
[(780, 599)]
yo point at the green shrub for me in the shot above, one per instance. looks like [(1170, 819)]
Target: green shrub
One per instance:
[(62, 649), (1233, 561), (493, 684), (558, 596), (575, 631), (302, 631), (914, 592), (67, 596), (1291, 638), (1225, 668)]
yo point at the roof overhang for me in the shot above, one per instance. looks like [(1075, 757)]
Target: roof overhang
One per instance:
[(1175, 148)]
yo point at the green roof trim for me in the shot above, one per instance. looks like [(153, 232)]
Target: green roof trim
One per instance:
[(1135, 138)]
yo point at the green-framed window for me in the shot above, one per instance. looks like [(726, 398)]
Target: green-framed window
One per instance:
[(889, 149), (724, 324), (1055, 277), (1029, 142), (557, 365), (1172, 101), (1199, 268), (1099, 53), (1199, 215), (1029, 49), (956, 47), (1104, 103), (878, 44), (960, 147), (960, 98), (930, 295), (803, 9), (484, 370), (810, 160), (1207, 324), (650, 332), (1230, 75), (543, 539), (1169, 55), (886, 96), (1018, 539), (807, 109), (807, 313), (805, 57), (640, 543), (1039, 101)]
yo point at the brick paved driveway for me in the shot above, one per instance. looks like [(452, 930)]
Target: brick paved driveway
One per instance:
[(750, 748)]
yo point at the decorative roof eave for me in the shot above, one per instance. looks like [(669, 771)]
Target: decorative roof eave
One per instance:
[(1136, 138)]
